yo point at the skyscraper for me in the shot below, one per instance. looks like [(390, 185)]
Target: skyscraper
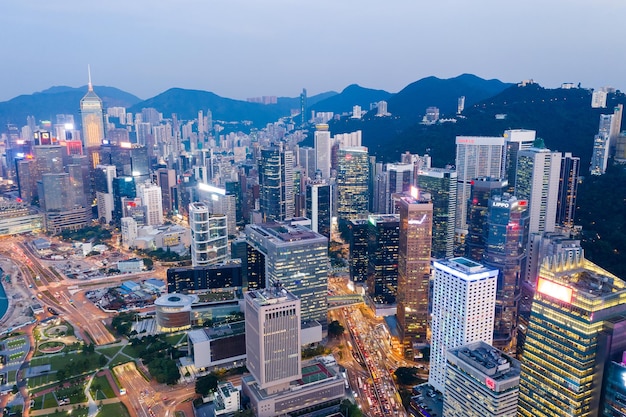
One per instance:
[(441, 184), (506, 239), (576, 326), (91, 114), (476, 156), (319, 207), (151, 200), (414, 249), (166, 179), (357, 230), (516, 140), (568, 190), (382, 273), (276, 184), (537, 181), (482, 189), (122, 187), (464, 297), (322, 150), (297, 258), (352, 183), (209, 235), (485, 375), (273, 337), (399, 180)]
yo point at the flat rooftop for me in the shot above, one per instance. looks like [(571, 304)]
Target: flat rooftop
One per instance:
[(490, 361), (271, 295), (465, 268), (285, 232)]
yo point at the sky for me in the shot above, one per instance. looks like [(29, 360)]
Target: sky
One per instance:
[(250, 48)]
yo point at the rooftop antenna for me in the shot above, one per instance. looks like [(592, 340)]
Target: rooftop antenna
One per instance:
[(89, 86)]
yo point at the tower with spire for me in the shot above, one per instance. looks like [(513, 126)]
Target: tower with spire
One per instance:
[(91, 114)]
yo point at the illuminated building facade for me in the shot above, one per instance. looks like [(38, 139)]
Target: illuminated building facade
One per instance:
[(130, 159), (319, 206), (505, 249), (568, 190), (122, 187), (91, 114), (382, 272), (322, 151), (358, 232), (209, 235), (297, 258), (276, 184), (482, 189), (352, 183), (577, 325), (486, 375), (200, 278), (414, 249), (464, 299), (441, 184)]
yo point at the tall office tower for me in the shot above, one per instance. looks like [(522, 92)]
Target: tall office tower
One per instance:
[(476, 156), (378, 195), (464, 298), (306, 159), (577, 325), (414, 249), (297, 258), (358, 233), (151, 200), (78, 177), (49, 159), (55, 193), (441, 184), (486, 375), (276, 184), (122, 187), (382, 271), (506, 239), (129, 159), (352, 183), (319, 206), (255, 268), (399, 180), (91, 115), (482, 189), (129, 231), (103, 186), (209, 236), (537, 181), (303, 106), (516, 140), (166, 179), (322, 150), (568, 190), (26, 173), (273, 320)]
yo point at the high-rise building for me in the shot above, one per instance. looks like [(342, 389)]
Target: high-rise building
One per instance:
[(485, 375), (537, 181), (464, 297), (476, 156), (276, 184), (297, 258), (506, 239), (130, 159), (516, 140), (166, 179), (122, 187), (322, 150), (568, 190), (202, 278), (129, 231), (306, 160), (151, 200), (482, 189), (319, 207), (441, 184), (209, 236), (382, 272), (577, 325), (358, 232), (352, 183), (399, 180), (273, 344), (93, 122), (414, 249)]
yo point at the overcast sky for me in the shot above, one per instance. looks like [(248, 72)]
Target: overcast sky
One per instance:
[(247, 48)]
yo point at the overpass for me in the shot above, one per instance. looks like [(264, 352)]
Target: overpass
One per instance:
[(339, 301)]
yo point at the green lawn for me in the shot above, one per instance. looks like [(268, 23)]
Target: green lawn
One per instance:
[(83, 412), (110, 351), (120, 359), (175, 339), (61, 361), (11, 377), (130, 351), (15, 343), (113, 410), (49, 401), (41, 380), (104, 388), (75, 393)]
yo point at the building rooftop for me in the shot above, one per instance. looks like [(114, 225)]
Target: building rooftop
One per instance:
[(465, 268), (272, 295), (285, 232), (384, 218)]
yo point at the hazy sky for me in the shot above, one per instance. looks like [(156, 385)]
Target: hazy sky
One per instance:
[(246, 48)]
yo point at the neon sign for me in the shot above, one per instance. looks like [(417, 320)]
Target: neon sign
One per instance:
[(554, 290), (491, 384)]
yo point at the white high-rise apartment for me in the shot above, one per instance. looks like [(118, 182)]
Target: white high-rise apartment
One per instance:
[(464, 302), (273, 338), (476, 156), (322, 150), (151, 199), (209, 236), (537, 180)]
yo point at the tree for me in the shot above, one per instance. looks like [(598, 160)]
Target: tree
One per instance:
[(14, 390), (149, 263), (102, 360), (406, 376), (335, 329), (206, 384), (348, 408)]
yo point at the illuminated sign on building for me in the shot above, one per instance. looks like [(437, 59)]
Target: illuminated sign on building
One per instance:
[(491, 384), (420, 221), (500, 204), (554, 290)]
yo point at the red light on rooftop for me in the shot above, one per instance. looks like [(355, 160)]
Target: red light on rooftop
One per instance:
[(523, 203)]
